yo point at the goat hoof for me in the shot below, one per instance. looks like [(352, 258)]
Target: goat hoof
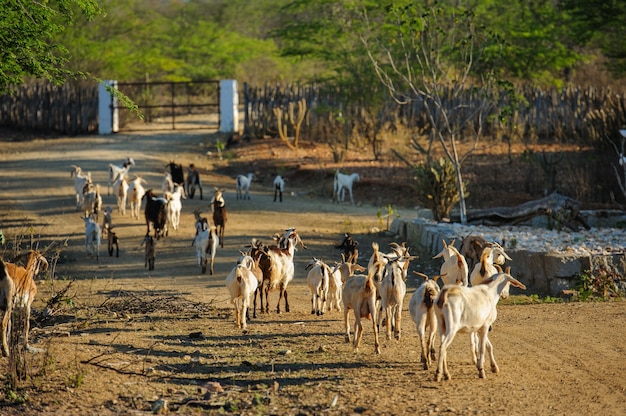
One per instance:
[(481, 373), (312, 312), (495, 369)]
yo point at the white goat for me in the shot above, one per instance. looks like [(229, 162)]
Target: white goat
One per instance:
[(175, 205), (168, 183), (92, 200), (92, 237), (18, 290), (279, 187), (490, 261), (338, 276), (359, 295), (241, 284), (470, 310), (135, 194), (205, 242), (282, 267), (343, 182), (243, 185), (454, 270), (120, 188), (318, 280), (422, 310), (80, 181), (392, 290), (115, 170)]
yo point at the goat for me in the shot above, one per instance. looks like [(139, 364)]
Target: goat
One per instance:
[(241, 284), (92, 200), (318, 280), (168, 184), (135, 194), (470, 310), (176, 172), (93, 236), (149, 251), (392, 290), (454, 269), (175, 205), (220, 215), (488, 265), (115, 170), (155, 213), (258, 252), (107, 221), (282, 267), (472, 247), (81, 179), (359, 295), (120, 187), (193, 181), (206, 247), (422, 310), (279, 187), (338, 276), (243, 185), (112, 241), (18, 290), (343, 182), (253, 265), (349, 248)]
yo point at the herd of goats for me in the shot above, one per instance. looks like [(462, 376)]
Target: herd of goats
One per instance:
[(472, 276)]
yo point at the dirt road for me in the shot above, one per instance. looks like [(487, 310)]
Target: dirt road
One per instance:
[(128, 340)]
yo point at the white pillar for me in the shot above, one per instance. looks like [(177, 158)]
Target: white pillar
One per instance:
[(108, 117), (229, 106)]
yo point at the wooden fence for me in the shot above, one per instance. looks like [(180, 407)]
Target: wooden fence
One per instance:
[(69, 109), (570, 115)]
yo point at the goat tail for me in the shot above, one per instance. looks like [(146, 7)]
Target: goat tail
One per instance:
[(442, 298)]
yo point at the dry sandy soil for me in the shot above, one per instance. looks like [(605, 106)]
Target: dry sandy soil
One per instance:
[(126, 341)]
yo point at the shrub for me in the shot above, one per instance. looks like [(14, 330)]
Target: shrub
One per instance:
[(435, 183)]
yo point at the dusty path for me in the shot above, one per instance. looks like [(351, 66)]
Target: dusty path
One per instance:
[(125, 343)]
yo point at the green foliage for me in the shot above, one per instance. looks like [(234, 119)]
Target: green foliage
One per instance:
[(436, 187), (390, 212), (27, 39), (598, 284)]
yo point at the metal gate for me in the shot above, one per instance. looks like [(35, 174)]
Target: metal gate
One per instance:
[(170, 105)]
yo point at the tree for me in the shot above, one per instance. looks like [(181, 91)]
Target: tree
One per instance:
[(428, 54), (599, 24), (27, 30)]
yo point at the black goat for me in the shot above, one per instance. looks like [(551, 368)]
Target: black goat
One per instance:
[(193, 180), (156, 213), (350, 250), (113, 241), (176, 170)]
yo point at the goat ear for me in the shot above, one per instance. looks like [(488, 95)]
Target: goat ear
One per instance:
[(516, 282)]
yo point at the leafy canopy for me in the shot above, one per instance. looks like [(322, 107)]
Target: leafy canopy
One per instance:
[(27, 38)]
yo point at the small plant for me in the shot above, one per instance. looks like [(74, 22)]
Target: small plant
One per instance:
[(219, 147), (390, 213), (600, 283)]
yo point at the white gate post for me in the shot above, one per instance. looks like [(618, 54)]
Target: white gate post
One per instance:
[(108, 117), (229, 106)]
